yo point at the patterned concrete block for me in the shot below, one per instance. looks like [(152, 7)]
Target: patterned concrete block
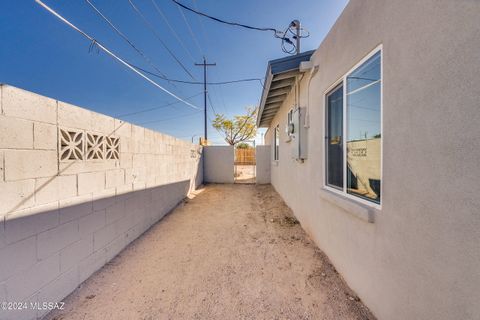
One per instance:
[(19, 164), (52, 241), (45, 136), (28, 105), (15, 133), (69, 216)]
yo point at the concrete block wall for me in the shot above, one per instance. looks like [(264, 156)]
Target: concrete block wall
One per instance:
[(70, 200)]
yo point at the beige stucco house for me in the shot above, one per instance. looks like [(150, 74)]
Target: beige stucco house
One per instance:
[(375, 145)]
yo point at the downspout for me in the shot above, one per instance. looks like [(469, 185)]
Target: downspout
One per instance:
[(304, 67)]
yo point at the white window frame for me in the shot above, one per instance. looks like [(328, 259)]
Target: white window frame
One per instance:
[(289, 121), (276, 148), (343, 81)]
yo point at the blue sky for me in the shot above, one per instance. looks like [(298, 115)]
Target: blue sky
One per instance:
[(43, 55)]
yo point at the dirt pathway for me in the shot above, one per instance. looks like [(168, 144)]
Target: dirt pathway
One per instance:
[(232, 252)]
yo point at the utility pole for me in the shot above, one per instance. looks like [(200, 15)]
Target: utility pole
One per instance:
[(297, 26), (205, 65)]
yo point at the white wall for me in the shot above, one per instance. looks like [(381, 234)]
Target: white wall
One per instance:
[(60, 219), (218, 164), (263, 159), (420, 257)]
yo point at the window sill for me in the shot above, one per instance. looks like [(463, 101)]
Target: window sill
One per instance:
[(361, 211)]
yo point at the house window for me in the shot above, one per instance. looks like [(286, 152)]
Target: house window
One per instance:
[(334, 138), (353, 132), (276, 142)]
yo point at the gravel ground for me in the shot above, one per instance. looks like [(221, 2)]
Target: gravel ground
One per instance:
[(229, 252)]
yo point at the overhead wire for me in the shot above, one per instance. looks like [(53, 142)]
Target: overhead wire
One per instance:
[(191, 31), (216, 91), (157, 36), (197, 82), (171, 118), (175, 34), (124, 37), (276, 33), (155, 108), (94, 41)]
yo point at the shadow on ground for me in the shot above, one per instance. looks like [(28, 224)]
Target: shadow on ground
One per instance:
[(230, 252)]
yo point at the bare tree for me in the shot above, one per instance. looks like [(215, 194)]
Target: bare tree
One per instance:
[(238, 129)]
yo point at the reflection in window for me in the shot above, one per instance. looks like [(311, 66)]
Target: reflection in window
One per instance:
[(363, 103), (276, 142), (334, 138)]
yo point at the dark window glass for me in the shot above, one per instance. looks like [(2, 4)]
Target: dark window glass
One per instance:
[(334, 138), (363, 96)]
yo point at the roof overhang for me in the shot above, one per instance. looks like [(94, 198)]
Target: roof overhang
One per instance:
[(279, 80)]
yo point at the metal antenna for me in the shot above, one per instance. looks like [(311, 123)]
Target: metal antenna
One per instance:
[(205, 65)]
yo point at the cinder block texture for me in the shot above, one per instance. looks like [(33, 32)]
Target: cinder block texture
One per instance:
[(16, 133), (45, 136), (75, 191), (18, 103), (26, 164)]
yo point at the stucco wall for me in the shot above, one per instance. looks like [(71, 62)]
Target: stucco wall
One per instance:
[(263, 159), (218, 164), (420, 258), (64, 215)]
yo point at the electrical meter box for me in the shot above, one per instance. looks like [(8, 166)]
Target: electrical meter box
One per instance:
[(299, 134)]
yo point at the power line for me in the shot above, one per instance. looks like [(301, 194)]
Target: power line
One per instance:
[(211, 104), (200, 21), (276, 32), (156, 108), (171, 118), (152, 29), (206, 38), (124, 37), (191, 31), (197, 82), (160, 12), (95, 42)]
